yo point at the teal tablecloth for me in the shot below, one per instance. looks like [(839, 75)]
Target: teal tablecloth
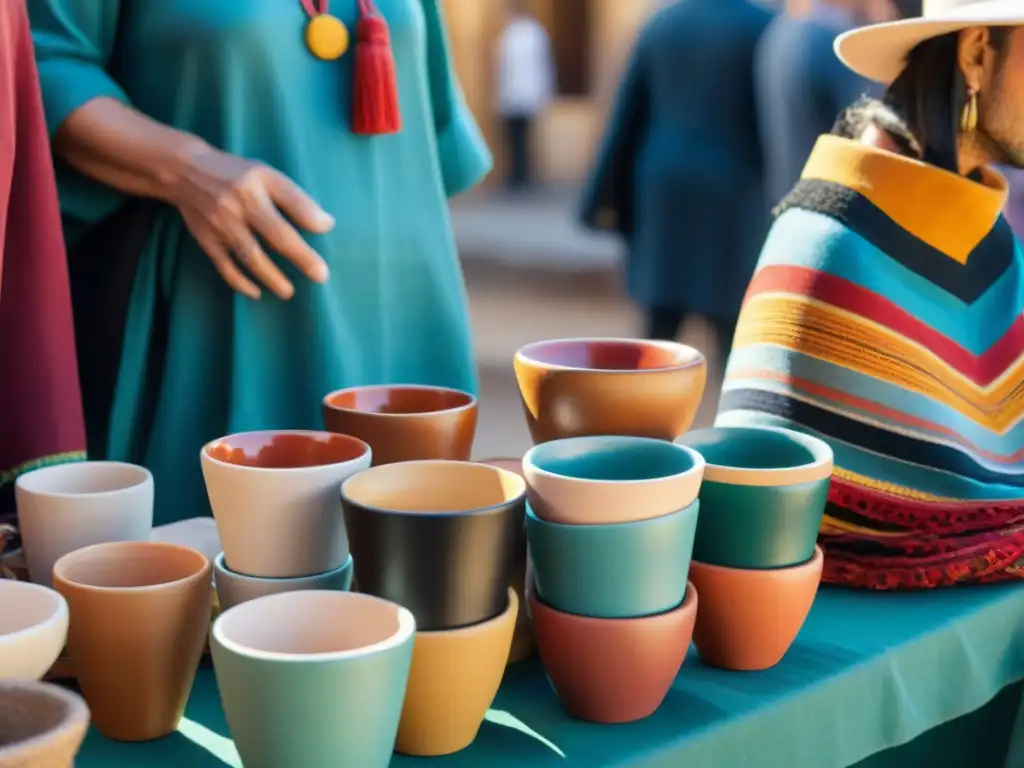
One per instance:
[(874, 681)]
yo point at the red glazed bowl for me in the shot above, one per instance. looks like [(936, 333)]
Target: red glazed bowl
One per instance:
[(582, 387), (750, 618), (612, 670)]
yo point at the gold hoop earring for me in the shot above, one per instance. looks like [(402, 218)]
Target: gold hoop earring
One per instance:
[(969, 114)]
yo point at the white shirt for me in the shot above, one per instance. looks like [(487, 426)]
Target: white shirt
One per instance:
[(525, 70)]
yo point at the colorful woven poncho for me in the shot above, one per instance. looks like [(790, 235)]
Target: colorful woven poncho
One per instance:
[(885, 317)]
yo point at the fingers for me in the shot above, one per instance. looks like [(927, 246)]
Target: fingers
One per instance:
[(248, 251), (283, 239), (227, 268), (300, 207)]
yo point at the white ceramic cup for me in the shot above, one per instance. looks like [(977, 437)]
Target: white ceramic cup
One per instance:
[(70, 506), (276, 497), (33, 629)]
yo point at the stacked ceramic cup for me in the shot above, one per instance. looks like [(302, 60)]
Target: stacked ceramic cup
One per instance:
[(436, 537), (274, 497), (611, 525), (756, 563), (612, 517)]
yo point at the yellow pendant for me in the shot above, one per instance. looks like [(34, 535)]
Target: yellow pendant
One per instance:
[(327, 37)]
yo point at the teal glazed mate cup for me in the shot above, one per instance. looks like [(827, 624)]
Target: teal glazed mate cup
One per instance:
[(313, 678), (236, 588), (619, 571), (763, 495)]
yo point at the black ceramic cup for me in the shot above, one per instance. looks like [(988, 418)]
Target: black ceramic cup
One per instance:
[(436, 537)]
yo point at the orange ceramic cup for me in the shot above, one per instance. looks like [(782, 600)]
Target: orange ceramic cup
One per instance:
[(612, 670), (749, 618), (454, 678), (582, 387), (140, 612), (405, 422)]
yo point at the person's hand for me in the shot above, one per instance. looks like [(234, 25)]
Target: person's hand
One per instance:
[(230, 203)]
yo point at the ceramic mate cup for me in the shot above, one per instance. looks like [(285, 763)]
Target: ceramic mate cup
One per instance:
[(70, 506)]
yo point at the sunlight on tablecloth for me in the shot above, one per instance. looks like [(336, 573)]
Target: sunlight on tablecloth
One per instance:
[(218, 746), (224, 749)]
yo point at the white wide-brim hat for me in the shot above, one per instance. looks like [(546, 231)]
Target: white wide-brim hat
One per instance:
[(879, 52)]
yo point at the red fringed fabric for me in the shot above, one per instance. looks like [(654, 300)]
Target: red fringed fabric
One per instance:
[(40, 404), (375, 108), (910, 544)]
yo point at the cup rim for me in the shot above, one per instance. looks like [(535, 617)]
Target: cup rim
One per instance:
[(493, 508), (698, 466), (64, 560), (696, 357), (220, 566), (415, 415), (77, 712), (406, 629), (204, 452), (59, 614), (24, 481), (531, 515), (479, 627), (818, 469), (816, 561), (690, 602)]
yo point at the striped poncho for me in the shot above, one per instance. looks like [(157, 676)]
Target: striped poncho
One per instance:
[(885, 316)]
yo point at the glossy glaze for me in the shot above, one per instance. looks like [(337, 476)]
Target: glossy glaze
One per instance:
[(575, 387), (405, 422), (436, 537)]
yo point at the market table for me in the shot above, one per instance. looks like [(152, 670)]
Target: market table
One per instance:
[(874, 681)]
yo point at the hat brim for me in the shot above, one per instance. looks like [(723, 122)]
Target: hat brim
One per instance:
[(879, 52)]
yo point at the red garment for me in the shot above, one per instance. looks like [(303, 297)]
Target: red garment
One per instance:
[(40, 405)]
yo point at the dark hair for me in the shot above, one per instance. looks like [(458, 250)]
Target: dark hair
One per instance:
[(923, 105)]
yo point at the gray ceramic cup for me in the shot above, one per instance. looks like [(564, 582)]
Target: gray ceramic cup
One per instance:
[(236, 588), (313, 678)]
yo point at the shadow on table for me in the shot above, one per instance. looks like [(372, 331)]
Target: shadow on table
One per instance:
[(202, 739), (528, 727)]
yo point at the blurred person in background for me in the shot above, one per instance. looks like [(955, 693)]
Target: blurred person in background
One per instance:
[(679, 175), (526, 77), (801, 86)]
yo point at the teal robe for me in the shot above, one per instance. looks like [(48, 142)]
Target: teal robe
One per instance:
[(199, 361)]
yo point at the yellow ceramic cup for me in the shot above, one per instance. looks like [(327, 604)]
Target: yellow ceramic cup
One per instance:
[(454, 678)]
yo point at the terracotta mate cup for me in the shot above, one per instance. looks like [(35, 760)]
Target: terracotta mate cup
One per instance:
[(69, 506), (405, 422), (140, 612)]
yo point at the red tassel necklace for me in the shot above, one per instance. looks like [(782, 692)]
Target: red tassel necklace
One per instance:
[(375, 108)]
